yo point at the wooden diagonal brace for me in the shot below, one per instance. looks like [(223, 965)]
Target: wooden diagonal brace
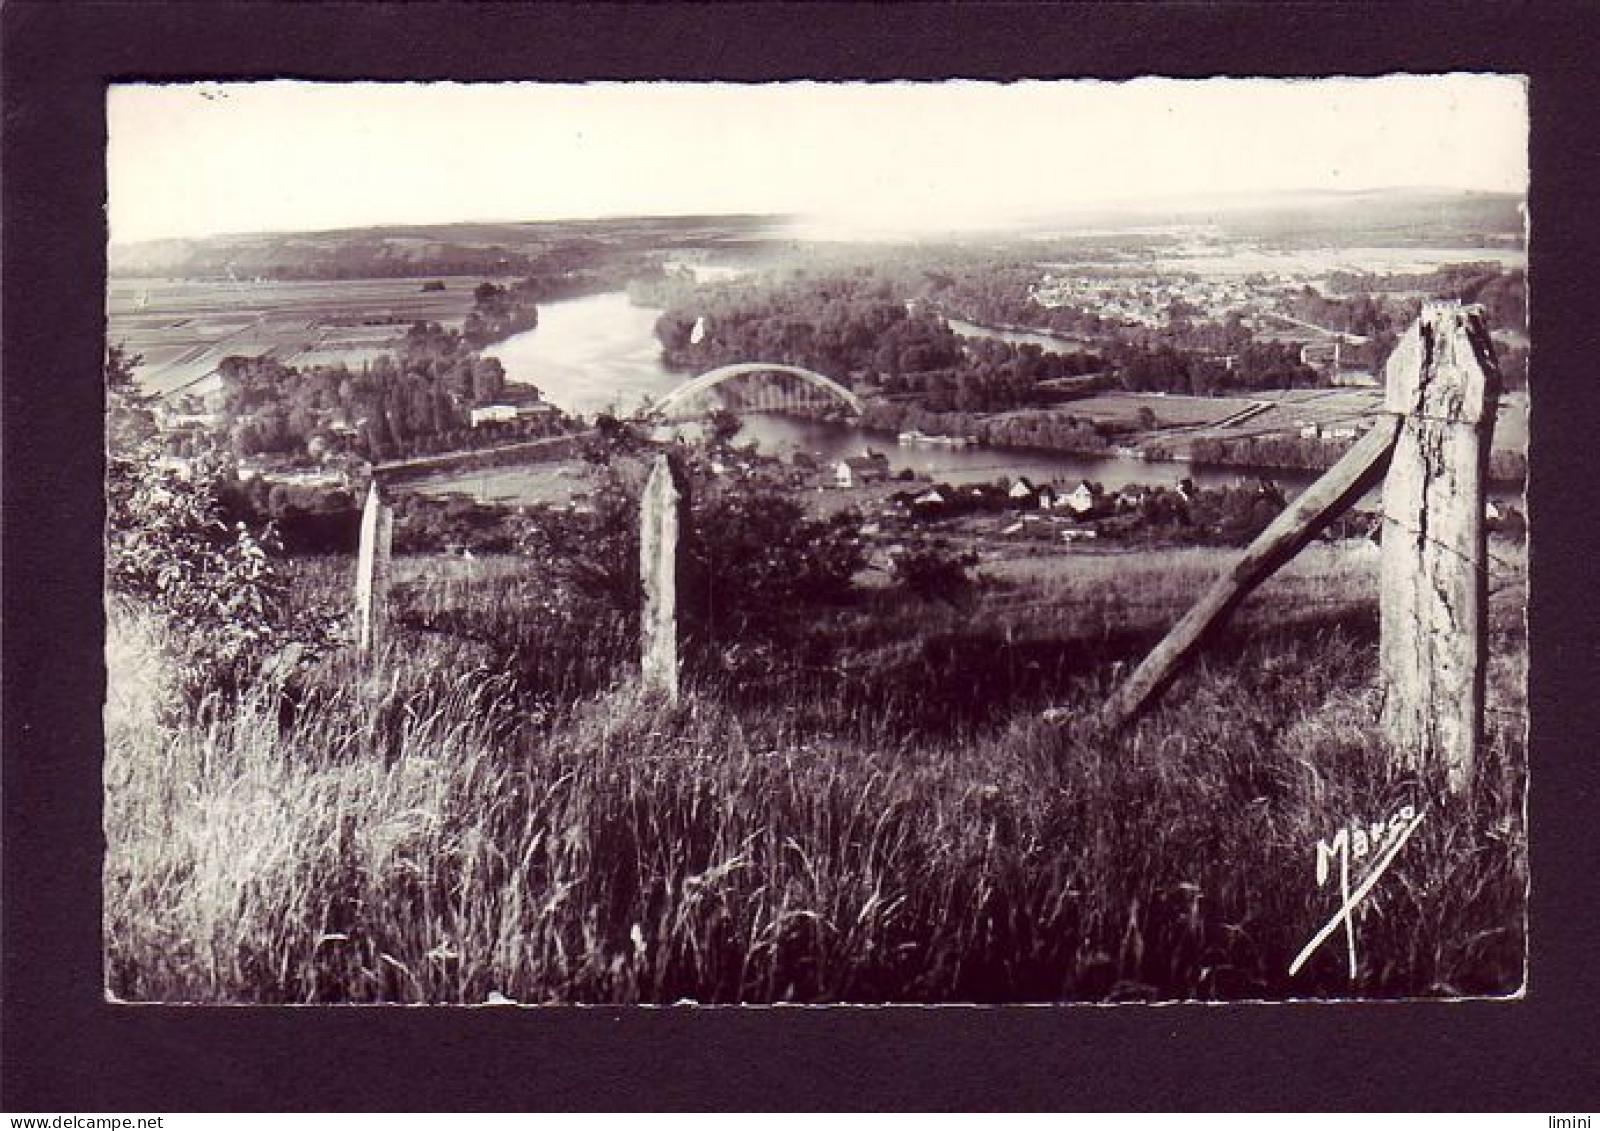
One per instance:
[(1362, 466)]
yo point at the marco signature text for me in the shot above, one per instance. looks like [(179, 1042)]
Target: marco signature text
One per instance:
[(1380, 841)]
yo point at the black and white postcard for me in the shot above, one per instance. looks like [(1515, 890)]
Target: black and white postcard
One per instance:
[(950, 542)]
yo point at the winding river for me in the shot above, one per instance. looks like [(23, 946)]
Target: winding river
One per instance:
[(600, 354)]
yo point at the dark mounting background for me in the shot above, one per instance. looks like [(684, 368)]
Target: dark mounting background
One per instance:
[(65, 1050)]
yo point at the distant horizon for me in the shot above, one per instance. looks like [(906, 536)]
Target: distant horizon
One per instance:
[(1231, 201), (192, 160)]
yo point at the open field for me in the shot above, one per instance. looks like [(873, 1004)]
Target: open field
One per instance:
[(549, 483), (1172, 410), (184, 328), (1183, 419), (1323, 407)]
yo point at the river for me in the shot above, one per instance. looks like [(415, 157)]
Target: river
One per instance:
[(600, 354), (1050, 343)]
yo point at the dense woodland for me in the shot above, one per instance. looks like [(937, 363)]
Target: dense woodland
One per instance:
[(855, 328), (1386, 304), (851, 318)]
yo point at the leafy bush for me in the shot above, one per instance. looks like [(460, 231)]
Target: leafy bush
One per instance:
[(933, 571), (755, 560), (170, 546), (753, 563)]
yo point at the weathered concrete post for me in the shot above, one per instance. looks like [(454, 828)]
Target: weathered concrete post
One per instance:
[(663, 520), (372, 572), (1444, 380)]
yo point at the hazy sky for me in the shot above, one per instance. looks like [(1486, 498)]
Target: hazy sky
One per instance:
[(199, 159)]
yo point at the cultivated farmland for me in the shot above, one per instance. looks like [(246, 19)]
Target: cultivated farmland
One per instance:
[(184, 328)]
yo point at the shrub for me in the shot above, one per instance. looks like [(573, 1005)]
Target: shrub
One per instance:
[(171, 547), (168, 545), (933, 571), (755, 560)]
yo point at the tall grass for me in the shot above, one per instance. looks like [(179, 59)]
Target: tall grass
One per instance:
[(472, 823)]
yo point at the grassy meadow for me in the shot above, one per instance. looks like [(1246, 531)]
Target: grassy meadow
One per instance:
[(874, 811)]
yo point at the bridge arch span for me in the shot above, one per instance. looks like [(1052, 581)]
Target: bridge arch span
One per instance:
[(686, 392)]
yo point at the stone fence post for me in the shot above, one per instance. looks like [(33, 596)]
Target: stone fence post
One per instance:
[(372, 572), (663, 523), (1443, 382)]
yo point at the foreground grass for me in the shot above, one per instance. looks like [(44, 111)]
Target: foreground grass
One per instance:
[(439, 836)]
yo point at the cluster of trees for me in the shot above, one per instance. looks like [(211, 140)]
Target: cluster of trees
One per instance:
[(853, 325), (1504, 298), (1297, 452), (1053, 430), (178, 547), (498, 312), (1365, 313), (993, 376), (1170, 369), (997, 290), (1230, 515), (1503, 294), (755, 561), (429, 525), (1382, 306), (413, 403), (304, 519), (838, 324)]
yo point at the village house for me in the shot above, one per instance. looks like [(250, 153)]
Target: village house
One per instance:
[(858, 471), (494, 414), (502, 413), (304, 477), (933, 499), (1022, 491), (1081, 499)]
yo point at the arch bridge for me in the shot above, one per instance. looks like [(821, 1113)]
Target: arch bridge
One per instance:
[(755, 396)]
